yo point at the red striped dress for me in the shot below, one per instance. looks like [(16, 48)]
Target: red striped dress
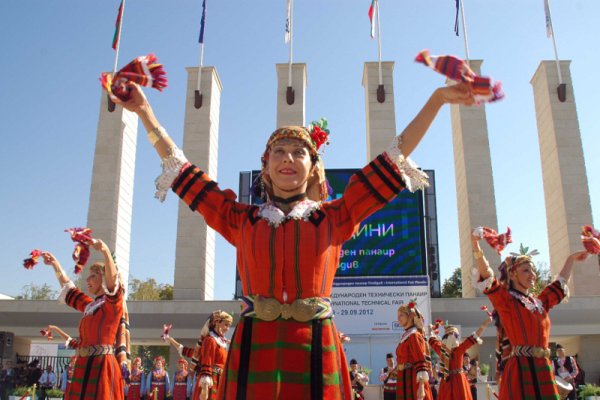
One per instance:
[(412, 350), (213, 355), (455, 385), (526, 323), (96, 377), (288, 257), (135, 389)]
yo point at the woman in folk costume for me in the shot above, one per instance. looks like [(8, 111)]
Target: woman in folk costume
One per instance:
[(286, 345), (212, 355), (136, 387), (182, 381), (103, 337), (454, 384), (414, 362), (158, 381), (528, 372)]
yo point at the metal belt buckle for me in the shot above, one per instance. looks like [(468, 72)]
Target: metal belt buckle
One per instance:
[(303, 310), (267, 309)]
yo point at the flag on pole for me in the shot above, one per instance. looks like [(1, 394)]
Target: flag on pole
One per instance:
[(201, 39), (549, 30), (117, 34), (456, 18), (288, 21), (372, 18)]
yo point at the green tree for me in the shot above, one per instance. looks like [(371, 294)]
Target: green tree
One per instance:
[(147, 354), (149, 290), (36, 292), (452, 287)]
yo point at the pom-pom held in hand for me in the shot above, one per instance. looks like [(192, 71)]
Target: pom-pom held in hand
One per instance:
[(47, 333), (458, 70), (590, 238), (165, 334), (33, 259), (143, 70), (83, 239), (494, 239)]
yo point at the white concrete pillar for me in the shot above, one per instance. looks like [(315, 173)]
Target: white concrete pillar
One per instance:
[(111, 194), (566, 191), (380, 117), (195, 249), (475, 198), (294, 114)]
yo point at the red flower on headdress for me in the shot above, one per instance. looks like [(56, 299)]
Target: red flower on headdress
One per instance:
[(590, 238), (33, 259), (319, 133), (318, 136)]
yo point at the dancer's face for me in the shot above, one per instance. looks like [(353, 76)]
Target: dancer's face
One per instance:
[(405, 319), (222, 327), (523, 277), (94, 283), (289, 166), (158, 364)]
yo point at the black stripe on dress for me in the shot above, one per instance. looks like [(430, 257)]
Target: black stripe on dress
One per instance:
[(384, 178), (182, 177), (316, 360), (209, 186), (391, 170), (245, 346), (534, 379), (86, 377), (361, 176), (196, 176)]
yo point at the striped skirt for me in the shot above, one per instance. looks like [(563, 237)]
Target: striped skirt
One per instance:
[(528, 378), (285, 359), (96, 377), (407, 386)]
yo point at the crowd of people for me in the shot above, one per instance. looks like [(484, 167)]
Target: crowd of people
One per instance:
[(286, 345)]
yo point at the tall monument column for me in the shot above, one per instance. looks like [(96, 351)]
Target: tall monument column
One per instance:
[(111, 194), (380, 117), (566, 190), (475, 198), (295, 113), (195, 249)]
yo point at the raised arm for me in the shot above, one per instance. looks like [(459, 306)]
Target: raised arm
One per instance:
[(565, 272), (483, 326), (49, 259), (110, 269), (482, 263), (158, 137), (416, 129)]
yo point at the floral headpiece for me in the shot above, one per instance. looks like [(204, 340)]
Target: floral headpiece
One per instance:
[(159, 358), (314, 136), (184, 362), (410, 307)]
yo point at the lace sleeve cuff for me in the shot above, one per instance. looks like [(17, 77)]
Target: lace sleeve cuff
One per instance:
[(414, 179), (476, 338), (422, 376), (478, 283), (62, 295), (171, 167), (206, 380)]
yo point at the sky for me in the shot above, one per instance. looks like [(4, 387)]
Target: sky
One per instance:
[(53, 53)]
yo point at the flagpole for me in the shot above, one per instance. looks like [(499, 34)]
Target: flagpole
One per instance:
[(379, 42), (291, 27), (464, 23), (198, 92), (560, 81), (114, 71)]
